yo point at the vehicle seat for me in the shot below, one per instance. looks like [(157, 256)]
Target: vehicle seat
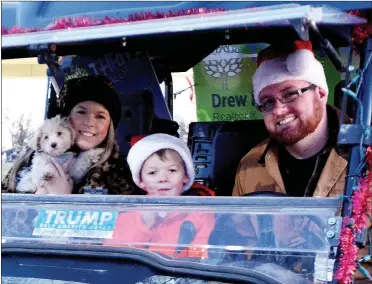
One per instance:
[(232, 141), (150, 123), (200, 142)]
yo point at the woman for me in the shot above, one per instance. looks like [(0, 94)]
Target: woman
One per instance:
[(94, 110)]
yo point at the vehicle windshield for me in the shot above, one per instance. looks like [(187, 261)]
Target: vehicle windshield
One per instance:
[(242, 233)]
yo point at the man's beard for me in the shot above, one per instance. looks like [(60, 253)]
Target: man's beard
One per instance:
[(304, 128)]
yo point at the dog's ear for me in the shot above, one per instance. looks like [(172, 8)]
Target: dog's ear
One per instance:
[(67, 124), (34, 142)]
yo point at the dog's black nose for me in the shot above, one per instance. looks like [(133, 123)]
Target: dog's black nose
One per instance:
[(53, 145)]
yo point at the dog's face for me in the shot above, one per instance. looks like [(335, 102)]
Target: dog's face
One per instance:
[(56, 141), (54, 137)]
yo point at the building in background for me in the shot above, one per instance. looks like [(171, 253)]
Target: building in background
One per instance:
[(24, 89)]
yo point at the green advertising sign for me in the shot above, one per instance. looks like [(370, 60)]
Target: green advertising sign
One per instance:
[(223, 83)]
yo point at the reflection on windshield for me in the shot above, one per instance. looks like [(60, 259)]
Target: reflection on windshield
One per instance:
[(176, 280), (157, 279), (27, 280), (161, 231)]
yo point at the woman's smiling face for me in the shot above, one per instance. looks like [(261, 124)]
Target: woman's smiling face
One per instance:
[(91, 122)]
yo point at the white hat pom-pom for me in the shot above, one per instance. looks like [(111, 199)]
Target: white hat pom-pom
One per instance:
[(299, 61)]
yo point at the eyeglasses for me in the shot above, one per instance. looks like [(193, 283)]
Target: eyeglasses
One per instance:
[(268, 105)]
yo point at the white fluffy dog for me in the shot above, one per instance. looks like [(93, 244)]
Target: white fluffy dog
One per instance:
[(51, 141)]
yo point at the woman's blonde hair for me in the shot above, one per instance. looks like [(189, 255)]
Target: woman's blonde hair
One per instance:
[(108, 145)]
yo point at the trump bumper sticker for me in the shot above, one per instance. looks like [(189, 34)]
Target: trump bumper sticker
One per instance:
[(75, 223)]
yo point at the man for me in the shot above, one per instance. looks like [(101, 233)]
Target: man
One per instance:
[(301, 157)]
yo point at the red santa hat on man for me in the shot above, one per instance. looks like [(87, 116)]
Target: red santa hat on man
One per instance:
[(298, 63)]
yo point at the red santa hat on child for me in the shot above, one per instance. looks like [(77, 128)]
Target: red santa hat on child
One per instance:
[(298, 63), (148, 145)]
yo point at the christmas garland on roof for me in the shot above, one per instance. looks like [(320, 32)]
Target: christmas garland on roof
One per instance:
[(359, 35), (84, 21)]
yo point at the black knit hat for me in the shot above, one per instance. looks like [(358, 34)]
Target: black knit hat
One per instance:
[(90, 88)]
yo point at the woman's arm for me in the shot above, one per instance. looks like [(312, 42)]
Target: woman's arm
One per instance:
[(10, 181), (6, 184)]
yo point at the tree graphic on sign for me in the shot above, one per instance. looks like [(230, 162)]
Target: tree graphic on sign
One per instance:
[(225, 62)]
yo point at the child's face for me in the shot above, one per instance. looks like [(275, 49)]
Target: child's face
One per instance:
[(163, 177)]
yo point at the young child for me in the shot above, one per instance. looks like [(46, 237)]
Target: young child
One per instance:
[(162, 165)]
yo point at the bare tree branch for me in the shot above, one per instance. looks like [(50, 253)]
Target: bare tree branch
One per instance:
[(20, 131)]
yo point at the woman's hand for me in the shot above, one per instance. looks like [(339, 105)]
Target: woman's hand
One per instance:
[(62, 183)]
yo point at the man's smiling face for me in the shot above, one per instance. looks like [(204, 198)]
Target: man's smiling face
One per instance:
[(292, 122)]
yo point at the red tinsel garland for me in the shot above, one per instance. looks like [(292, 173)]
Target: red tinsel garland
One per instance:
[(360, 33), (83, 21), (361, 205)]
